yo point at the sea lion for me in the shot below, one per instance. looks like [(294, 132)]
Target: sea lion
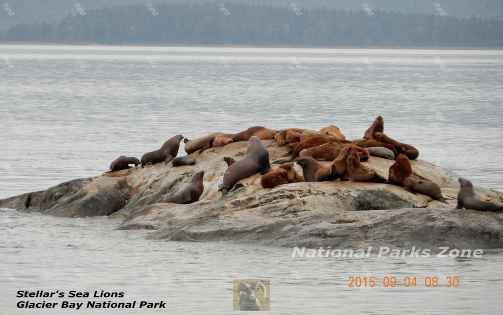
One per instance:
[(469, 200), (377, 126), (229, 160), (221, 140), (400, 170), (309, 141), (183, 161), (281, 175), (167, 152), (171, 147), (123, 162), (199, 144), (258, 131), (339, 165), (358, 172), (255, 161), (290, 135), (423, 186), (333, 131), (314, 171), (189, 193), (381, 152), (324, 152), (407, 149)]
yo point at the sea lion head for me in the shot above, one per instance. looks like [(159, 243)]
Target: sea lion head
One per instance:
[(178, 138), (186, 140), (135, 161), (465, 184)]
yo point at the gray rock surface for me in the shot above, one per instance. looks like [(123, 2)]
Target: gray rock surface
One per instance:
[(336, 214)]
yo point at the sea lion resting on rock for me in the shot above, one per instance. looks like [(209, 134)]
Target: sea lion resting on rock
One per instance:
[(255, 161), (314, 171), (358, 172), (410, 151), (330, 151), (469, 200), (333, 131), (340, 164), (123, 163), (183, 161), (217, 139), (377, 126), (258, 131), (290, 135), (191, 192), (309, 141), (381, 152), (167, 152), (281, 175), (401, 174)]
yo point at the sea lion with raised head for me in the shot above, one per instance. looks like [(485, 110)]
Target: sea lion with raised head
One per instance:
[(377, 126), (183, 161), (123, 162), (191, 192), (407, 149), (255, 161), (400, 170), (467, 199), (358, 172), (166, 153), (314, 171)]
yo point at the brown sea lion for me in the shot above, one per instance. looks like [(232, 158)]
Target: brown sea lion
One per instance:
[(199, 144), (400, 170), (407, 149), (166, 153), (324, 152), (423, 186), (191, 192), (123, 163), (281, 175), (260, 132), (310, 140), (290, 135), (229, 160), (221, 140), (372, 143), (377, 126), (339, 165), (183, 161), (314, 171), (255, 161), (469, 200), (358, 172), (333, 131)]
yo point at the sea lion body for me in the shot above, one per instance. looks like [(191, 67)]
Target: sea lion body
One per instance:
[(221, 140), (281, 175), (357, 172), (183, 161), (377, 126), (407, 149), (314, 171), (309, 141), (167, 152), (200, 144), (260, 132), (324, 152), (400, 170), (255, 161), (469, 200), (154, 157), (123, 163), (381, 152), (333, 131), (190, 193), (424, 187)]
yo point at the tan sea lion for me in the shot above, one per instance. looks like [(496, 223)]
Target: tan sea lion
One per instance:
[(190, 193), (339, 165), (310, 140), (183, 161), (221, 140), (423, 186), (260, 132), (358, 172), (400, 170), (469, 200), (314, 171), (281, 175), (255, 161), (324, 152), (290, 135), (333, 131), (200, 144), (123, 163)]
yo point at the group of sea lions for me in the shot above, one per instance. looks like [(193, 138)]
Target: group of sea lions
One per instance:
[(323, 155)]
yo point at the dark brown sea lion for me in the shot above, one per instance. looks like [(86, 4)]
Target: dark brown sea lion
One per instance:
[(260, 132), (469, 200), (377, 126), (123, 162), (166, 153), (400, 170), (255, 161), (314, 171), (183, 161), (281, 175), (191, 192), (407, 149)]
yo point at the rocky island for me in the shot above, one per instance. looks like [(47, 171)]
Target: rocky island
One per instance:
[(335, 213)]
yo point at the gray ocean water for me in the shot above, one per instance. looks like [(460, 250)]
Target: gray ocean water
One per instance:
[(66, 112)]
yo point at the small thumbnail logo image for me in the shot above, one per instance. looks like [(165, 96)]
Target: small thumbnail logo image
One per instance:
[(252, 295)]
